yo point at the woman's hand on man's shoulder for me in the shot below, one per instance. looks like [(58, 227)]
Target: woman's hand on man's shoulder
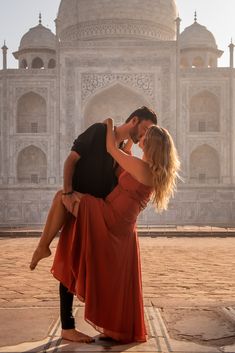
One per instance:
[(108, 121)]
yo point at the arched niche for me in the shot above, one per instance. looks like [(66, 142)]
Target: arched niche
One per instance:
[(23, 64), (204, 112), (117, 102), (198, 62), (32, 166), (184, 63), (37, 63), (51, 64), (212, 62), (31, 114), (204, 165)]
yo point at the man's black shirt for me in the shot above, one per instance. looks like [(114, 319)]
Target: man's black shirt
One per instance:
[(94, 173)]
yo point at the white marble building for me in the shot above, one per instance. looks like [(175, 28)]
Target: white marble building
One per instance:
[(106, 59)]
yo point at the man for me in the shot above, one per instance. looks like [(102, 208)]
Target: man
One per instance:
[(90, 169)]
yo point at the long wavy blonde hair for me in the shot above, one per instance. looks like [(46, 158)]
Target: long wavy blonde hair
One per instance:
[(164, 163)]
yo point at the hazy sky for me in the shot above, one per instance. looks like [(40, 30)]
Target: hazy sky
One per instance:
[(17, 16)]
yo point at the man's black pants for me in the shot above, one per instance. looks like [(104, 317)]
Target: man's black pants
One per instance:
[(66, 308)]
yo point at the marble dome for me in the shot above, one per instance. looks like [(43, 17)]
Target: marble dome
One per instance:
[(38, 37), (197, 36), (122, 19)]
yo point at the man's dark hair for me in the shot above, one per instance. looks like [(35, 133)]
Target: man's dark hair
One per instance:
[(143, 113)]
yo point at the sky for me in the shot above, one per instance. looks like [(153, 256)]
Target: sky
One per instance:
[(18, 16)]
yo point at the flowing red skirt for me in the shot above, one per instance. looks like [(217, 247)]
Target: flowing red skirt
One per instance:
[(97, 259)]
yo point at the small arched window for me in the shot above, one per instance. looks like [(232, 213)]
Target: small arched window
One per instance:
[(31, 114), (184, 62), (23, 64), (32, 166), (52, 64), (198, 62), (212, 62), (37, 63), (204, 112)]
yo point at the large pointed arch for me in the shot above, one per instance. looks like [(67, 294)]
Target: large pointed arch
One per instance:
[(204, 165), (116, 101)]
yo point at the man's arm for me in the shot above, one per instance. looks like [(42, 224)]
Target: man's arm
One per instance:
[(69, 167), (80, 149)]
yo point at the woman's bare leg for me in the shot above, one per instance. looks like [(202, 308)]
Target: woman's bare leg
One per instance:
[(55, 220)]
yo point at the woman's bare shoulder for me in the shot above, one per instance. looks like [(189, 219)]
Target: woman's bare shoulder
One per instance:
[(143, 174)]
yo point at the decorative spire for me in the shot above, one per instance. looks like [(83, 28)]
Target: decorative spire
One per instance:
[(178, 20), (4, 54), (231, 49), (4, 46), (40, 18), (195, 16), (231, 45)]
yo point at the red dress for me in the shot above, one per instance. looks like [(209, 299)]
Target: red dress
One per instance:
[(97, 258)]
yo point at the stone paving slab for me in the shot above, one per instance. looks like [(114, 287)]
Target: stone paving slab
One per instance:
[(159, 340), (18, 325), (209, 326)]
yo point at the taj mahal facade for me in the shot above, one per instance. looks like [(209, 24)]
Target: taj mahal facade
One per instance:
[(106, 59)]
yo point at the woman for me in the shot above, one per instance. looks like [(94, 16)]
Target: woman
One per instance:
[(99, 259)]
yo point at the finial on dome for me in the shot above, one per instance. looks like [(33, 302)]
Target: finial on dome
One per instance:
[(231, 45), (195, 16), (40, 18)]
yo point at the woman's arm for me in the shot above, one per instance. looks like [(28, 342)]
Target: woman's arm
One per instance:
[(127, 146), (133, 165)]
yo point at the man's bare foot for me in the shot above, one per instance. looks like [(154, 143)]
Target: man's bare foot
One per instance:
[(76, 336), (39, 254), (103, 337)]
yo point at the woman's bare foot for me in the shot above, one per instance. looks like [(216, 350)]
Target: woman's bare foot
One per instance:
[(76, 336), (39, 254)]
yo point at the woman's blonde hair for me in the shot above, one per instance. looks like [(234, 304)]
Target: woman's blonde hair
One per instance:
[(164, 163)]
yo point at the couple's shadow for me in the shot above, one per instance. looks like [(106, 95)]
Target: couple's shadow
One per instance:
[(57, 345)]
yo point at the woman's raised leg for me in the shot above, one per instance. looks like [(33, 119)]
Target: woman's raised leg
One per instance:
[(55, 220)]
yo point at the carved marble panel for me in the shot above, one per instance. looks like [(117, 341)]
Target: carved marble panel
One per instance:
[(2, 212), (195, 89), (91, 83), (42, 91), (118, 28), (214, 212), (225, 195), (31, 213), (14, 212), (69, 105), (193, 144), (189, 212), (21, 144)]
